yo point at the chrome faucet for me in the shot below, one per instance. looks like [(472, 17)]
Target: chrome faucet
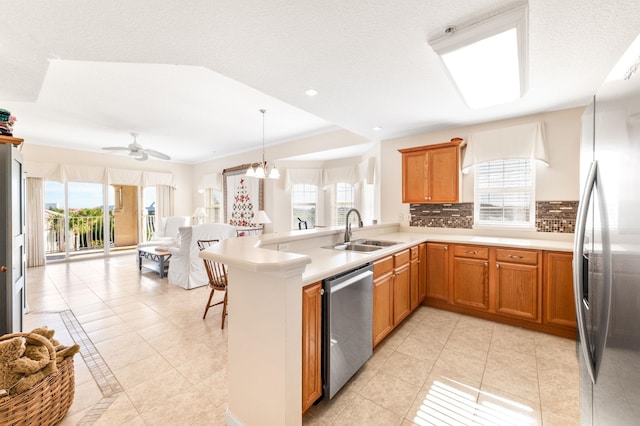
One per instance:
[(347, 232)]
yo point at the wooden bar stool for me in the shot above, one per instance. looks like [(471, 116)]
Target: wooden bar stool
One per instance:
[(217, 273)]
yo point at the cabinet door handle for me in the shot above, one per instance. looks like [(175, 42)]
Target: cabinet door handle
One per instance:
[(322, 292), (497, 266), (446, 247), (3, 269), (486, 263), (513, 256)]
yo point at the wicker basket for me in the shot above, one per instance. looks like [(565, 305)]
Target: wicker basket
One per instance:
[(48, 401)]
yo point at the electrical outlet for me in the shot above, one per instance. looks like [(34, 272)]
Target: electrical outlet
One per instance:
[(283, 247)]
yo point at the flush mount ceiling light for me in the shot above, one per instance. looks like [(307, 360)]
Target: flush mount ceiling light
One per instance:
[(264, 169), (311, 92), (487, 59)]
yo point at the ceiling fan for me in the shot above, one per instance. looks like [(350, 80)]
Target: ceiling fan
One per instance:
[(137, 151)]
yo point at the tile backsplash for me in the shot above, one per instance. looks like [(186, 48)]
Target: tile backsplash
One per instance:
[(551, 216)]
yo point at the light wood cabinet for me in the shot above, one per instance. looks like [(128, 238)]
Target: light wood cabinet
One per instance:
[(522, 287), (382, 298), (414, 276), (559, 303), (401, 286), (311, 344), (471, 277), (431, 174), (422, 272), (518, 284), (437, 271)]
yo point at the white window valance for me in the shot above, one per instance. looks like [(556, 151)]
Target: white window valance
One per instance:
[(367, 171), (158, 178), (340, 175), (124, 177), (522, 141), (75, 173), (211, 180), (47, 171), (302, 176)]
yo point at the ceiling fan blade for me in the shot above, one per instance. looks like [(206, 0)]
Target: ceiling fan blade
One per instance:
[(142, 156), (157, 154), (115, 148)]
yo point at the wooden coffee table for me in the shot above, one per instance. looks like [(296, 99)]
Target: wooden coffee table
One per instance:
[(158, 258)]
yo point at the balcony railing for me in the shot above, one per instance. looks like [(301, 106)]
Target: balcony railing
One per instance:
[(86, 233)]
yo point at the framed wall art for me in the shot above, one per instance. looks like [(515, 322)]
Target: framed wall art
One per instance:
[(243, 196)]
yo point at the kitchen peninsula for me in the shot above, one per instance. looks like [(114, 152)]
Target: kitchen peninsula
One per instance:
[(265, 306)]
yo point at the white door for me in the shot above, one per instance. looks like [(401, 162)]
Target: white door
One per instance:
[(12, 253)]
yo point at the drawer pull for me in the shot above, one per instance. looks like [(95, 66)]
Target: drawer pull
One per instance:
[(446, 247), (471, 252), (513, 256), (497, 266), (486, 263)]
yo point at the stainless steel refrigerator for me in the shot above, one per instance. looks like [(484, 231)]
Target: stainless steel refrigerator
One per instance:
[(607, 252)]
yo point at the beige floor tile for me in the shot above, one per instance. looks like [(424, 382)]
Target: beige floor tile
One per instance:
[(422, 350), (443, 400), (120, 412), (327, 410), (496, 406), (407, 368), (155, 394), (390, 392), (436, 363), (458, 366), (364, 412), (86, 395), (133, 374)]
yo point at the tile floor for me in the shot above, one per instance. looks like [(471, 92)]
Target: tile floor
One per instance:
[(149, 358)]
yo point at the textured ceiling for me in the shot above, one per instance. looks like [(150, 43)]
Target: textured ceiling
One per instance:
[(191, 76)]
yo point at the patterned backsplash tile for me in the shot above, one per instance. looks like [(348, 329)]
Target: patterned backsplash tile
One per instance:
[(551, 216)]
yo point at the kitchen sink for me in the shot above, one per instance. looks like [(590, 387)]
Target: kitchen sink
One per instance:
[(361, 245), (354, 247), (377, 243)]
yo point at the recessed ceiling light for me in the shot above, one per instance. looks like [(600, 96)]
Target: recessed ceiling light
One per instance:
[(311, 92), (377, 128)]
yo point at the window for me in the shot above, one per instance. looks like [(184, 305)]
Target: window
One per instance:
[(344, 201), (213, 205), (304, 200), (504, 193)]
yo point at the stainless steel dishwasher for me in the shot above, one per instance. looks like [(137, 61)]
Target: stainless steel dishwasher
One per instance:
[(347, 327)]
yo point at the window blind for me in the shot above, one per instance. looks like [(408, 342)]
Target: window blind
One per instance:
[(504, 193)]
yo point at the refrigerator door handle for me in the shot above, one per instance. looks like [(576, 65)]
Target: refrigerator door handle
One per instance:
[(578, 271)]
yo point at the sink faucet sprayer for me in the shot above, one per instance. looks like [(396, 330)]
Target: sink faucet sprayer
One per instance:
[(347, 232)]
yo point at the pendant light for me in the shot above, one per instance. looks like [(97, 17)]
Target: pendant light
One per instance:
[(264, 169)]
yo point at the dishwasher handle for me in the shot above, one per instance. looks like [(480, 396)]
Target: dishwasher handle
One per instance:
[(335, 287)]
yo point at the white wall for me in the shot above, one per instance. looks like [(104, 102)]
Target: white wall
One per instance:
[(559, 181), (277, 201), (182, 172)]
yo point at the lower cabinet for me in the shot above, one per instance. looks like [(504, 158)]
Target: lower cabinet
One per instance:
[(559, 303), (382, 298), (437, 271), (401, 286), (311, 344), (422, 272), (522, 287), (518, 284), (396, 290), (471, 277)]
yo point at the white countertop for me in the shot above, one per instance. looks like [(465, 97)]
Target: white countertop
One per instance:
[(260, 254)]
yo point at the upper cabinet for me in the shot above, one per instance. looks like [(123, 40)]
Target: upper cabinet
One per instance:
[(431, 174)]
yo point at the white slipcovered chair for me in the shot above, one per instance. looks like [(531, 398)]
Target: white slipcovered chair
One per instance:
[(166, 233), (186, 268)]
